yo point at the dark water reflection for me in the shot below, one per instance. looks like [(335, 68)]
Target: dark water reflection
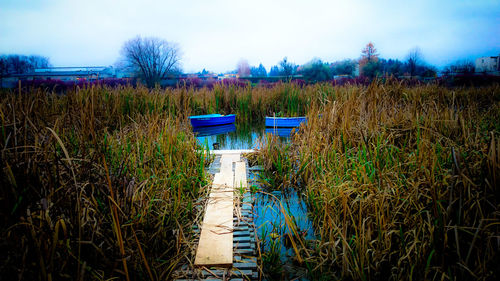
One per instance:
[(237, 136), (274, 233), (270, 219)]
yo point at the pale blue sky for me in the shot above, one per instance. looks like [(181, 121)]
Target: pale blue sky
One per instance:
[(216, 34)]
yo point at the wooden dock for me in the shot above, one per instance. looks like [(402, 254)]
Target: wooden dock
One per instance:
[(215, 247), (226, 247)]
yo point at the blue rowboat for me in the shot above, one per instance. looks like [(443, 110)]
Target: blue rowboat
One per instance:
[(284, 121), (211, 120), (284, 132), (214, 130)]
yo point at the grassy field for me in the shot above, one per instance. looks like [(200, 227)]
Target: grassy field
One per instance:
[(401, 182)]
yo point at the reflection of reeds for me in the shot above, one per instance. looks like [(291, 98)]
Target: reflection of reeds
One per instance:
[(402, 181), (282, 228)]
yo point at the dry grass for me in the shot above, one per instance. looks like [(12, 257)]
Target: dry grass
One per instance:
[(402, 182), (104, 183), (98, 183)]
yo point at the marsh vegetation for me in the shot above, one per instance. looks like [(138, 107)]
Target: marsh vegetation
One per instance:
[(400, 182)]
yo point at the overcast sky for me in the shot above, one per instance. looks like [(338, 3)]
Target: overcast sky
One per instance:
[(216, 34)]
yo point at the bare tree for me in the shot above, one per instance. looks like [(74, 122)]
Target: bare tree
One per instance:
[(243, 68), (154, 58), (460, 67), (16, 64), (413, 60), (22, 64), (38, 61)]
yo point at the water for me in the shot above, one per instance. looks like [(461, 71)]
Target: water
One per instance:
[(269, 218), (280, 258), (233, 136)]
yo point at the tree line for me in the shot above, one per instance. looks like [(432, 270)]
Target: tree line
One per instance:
[(370, 64), (154, 59), (18, 64)]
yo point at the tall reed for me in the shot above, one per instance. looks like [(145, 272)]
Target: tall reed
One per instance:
[(402, 182), (99, 183), (104, 182)]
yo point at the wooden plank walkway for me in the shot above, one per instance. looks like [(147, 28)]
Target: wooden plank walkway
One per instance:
[(215, 247), (231, 151), (227, 243)]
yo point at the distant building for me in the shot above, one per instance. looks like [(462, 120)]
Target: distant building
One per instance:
[(342, 76), (201, 76), (66, 74), (488, 64), (89, 73), (228, 75)]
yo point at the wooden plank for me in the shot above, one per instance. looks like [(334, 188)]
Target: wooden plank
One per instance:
[(237, 151), (229, 151), (223, 182), (215, 247), (240, 175), (233, 157), (245, 265)]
